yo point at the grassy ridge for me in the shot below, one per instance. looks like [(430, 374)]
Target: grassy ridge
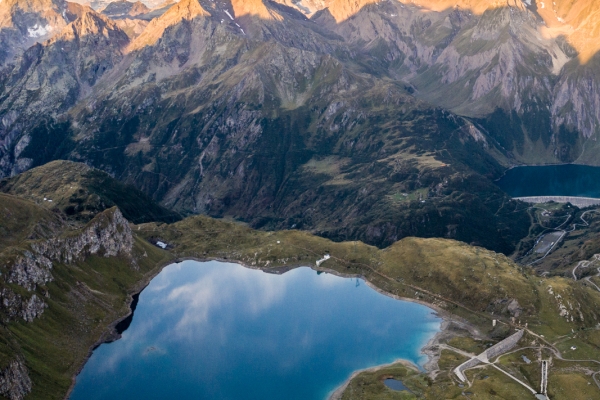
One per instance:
[(471, 281), (78, 190), (466, 281)]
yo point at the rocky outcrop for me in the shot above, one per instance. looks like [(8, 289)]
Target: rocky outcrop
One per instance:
[(23, 23), (508, 307), (15, 383), (30, 270), (125, 9), (108, 234), (15, 306)]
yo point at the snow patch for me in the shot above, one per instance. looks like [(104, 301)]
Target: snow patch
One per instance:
[(39, 30), (322, 260), (229, 15), (162, 245)]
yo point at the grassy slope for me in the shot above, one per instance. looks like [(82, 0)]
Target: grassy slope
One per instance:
[(85, 298), (463, 280), (77, 189), (446, 272), (21, 219)]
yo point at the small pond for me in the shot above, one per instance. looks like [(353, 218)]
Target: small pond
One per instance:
[(395, 384), (215, 330)]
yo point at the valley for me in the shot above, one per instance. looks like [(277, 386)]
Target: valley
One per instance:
[(436, 272), (231, 124), (438, 153)]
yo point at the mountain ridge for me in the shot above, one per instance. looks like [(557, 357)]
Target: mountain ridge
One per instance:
[(196, 106)]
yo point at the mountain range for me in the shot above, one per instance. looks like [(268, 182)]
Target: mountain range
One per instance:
[(371, 120)]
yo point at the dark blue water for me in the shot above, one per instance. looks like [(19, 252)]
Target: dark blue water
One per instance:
[(552, 180), (395, 384), (221, 331)]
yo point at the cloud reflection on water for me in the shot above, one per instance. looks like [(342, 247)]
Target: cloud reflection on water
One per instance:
[(214, 328)]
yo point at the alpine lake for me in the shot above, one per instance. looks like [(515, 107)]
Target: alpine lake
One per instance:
[(214, 330), (552, 180)]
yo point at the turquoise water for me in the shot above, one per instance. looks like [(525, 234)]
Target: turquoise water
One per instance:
[(215, 330), (552, 180)]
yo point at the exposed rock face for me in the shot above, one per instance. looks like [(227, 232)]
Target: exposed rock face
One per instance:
[(185, 10), (108, 234), (85, 50), (23, 23), (125, 9), (308, 7), (30, 270), (15, 306), (132, 27), (15, 383)]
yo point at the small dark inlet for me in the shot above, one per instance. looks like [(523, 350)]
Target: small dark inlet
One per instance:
[(124, 324)]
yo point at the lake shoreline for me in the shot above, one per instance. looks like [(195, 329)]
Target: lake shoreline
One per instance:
[(431, 349)]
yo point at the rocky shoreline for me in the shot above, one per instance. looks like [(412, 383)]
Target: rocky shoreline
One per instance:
[(431, 350)]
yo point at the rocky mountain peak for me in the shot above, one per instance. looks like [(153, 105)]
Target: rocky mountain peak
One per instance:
[(184, 10), (33, 5), (90, 23), (307, 7), (256, 8), (124, 8), (341, 10), (25, 22)]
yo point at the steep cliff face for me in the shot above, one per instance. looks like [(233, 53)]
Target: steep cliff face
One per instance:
[(62, 283), (108, 235), (85, 50), (27, 262), (23, 23), (15, 383)]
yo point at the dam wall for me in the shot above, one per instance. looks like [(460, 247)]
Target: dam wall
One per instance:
[(576, 201), (494, 351), (504, 346)]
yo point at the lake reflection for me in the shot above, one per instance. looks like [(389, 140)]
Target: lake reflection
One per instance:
[(221, 331)]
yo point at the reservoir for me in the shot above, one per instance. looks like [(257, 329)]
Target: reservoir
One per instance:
[(213, 330), (552, 180)]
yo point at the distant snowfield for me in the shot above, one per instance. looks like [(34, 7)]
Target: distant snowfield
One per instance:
[(38, 30)]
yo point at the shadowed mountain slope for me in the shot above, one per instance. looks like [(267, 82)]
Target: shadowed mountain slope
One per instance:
[(81, 192), (371, 120)]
